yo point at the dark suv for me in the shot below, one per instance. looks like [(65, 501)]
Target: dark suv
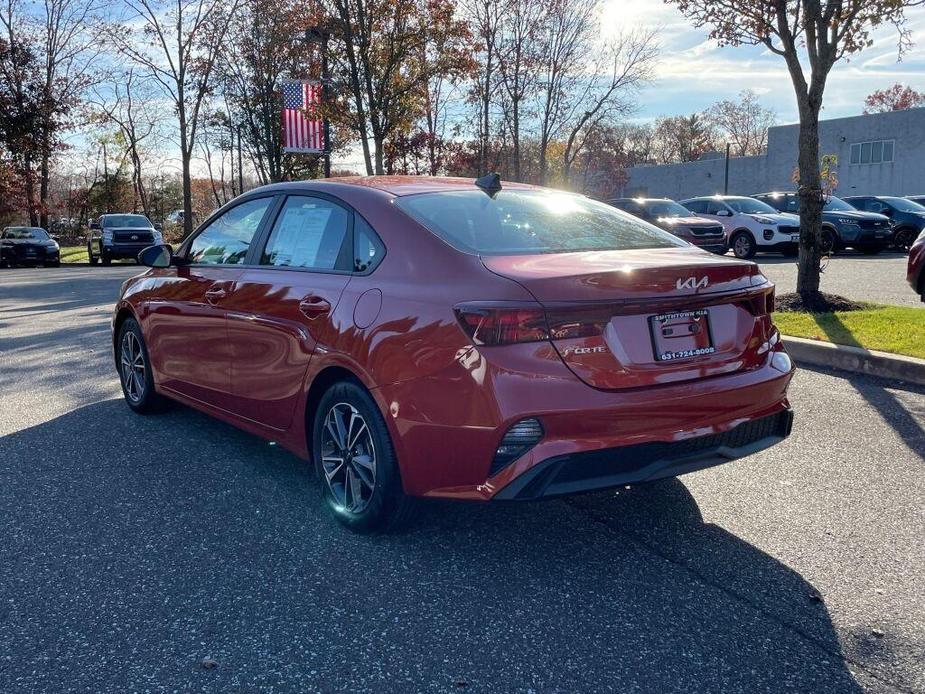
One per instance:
[(115, 236), (678, 220), (907, 217), (843, 226)]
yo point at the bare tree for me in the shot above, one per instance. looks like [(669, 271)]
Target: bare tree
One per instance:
[(813, 35), (178, 48), (744, 123), (519, 62), (624, 64), (683, 138), (485, 18), (128, 103), (65, 47)]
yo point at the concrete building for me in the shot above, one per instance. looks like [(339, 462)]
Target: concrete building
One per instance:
[(878, 154)]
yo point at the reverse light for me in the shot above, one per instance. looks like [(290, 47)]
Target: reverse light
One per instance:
[(519, 439)]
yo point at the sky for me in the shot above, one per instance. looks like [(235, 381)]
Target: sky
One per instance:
[(693, 72)]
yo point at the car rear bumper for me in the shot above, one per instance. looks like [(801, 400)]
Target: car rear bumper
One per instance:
[(645, 462), (448, 451)]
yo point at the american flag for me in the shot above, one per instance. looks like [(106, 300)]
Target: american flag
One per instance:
[(303, 129)]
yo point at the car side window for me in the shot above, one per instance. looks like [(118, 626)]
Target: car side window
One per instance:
[(696, 206), (309, 233), (367, 248), (714, 207), (226, 240)]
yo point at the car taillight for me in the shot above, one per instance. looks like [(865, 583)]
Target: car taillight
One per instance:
[(494, 324)]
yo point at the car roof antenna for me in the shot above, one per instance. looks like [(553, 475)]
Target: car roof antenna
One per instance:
[(490, 184)]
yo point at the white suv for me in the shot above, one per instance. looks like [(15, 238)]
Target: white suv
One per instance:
[(751, 225)]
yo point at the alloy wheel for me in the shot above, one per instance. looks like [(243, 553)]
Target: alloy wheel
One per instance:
[(348, 457), (742, 246), (132, 366)]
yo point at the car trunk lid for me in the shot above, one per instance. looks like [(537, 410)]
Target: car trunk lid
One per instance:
[(623, 319)]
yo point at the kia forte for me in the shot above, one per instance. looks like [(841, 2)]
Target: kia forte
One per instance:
[(474, 340)]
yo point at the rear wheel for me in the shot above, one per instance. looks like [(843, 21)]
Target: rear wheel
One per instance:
[(135, 370), (743, 245), (356, 463), (106, 260)]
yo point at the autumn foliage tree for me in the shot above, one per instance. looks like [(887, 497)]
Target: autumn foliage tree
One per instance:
[(811, 36), (895, 98)]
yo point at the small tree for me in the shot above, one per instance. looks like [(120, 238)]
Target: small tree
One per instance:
[(743, 122), (817, 33), (895, 98)]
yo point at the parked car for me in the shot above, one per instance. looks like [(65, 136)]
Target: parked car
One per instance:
[(843, 226), (28, 246), (115, 236), (447, 338), (906, 216), (920, 199), (916, 267), (751, 226), (676, 219)]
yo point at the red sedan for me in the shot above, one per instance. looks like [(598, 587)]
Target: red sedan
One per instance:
[(428, 337), (916, 268)]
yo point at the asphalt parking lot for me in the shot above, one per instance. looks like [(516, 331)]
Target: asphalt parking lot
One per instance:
[(877, 278), (175, 553)]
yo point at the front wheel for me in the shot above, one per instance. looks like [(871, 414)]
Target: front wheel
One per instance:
[(356, 463), (743, 245), (135, 370), (903, 239), (828, 242)]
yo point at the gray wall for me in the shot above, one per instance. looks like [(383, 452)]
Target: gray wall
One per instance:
[(774, 170)]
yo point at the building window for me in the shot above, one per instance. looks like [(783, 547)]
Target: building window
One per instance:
[(874, 152)]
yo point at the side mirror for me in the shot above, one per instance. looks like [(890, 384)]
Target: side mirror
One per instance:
[(94, 224), (156, 256), (158, 227), (55, 237)]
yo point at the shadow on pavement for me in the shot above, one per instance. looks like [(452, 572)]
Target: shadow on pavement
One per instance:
[(135, 547)]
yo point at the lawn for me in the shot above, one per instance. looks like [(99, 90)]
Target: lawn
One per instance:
[(73, 254), (896, 329)]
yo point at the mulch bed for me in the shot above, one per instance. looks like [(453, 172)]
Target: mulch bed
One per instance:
[(816, 302)]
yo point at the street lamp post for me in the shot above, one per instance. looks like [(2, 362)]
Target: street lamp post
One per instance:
[(320, 35)]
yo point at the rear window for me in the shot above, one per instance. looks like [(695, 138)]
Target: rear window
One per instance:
[(527, 222)]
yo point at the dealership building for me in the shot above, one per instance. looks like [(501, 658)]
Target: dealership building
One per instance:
[(878, 154)]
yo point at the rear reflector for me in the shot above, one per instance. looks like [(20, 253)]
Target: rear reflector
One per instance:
[(519, 439)]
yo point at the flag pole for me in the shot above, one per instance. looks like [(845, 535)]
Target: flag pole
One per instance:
[(320, 35)]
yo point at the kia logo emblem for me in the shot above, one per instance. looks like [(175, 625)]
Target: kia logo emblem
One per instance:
[(692, 283)]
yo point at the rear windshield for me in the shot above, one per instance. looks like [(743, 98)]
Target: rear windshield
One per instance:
[(134, 221), (527, 222)]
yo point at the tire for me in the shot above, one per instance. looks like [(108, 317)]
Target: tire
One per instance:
[(92, 258), (903, 239), (134, 366), (366, 496), (743, 245), (829, 242), (107, 261)]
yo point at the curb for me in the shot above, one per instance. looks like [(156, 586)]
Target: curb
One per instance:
[(856, 360)]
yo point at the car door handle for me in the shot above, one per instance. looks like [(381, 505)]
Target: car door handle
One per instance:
[(216, 294), (314, 306)]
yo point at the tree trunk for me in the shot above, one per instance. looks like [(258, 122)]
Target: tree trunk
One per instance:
[(380, 167), (43, 186), (29, 185), (811, 202)]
